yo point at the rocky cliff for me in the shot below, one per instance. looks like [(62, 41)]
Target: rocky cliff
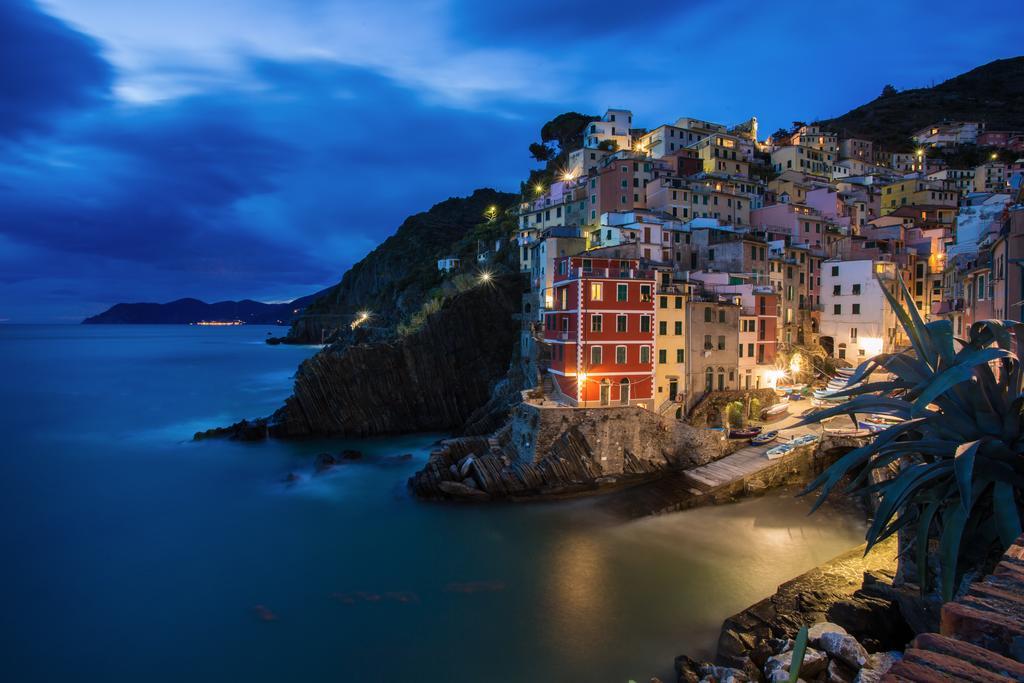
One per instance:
[(432, 379), (394, 279)]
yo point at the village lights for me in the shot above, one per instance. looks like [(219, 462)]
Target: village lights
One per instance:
[(491, 213), (995, 155), (581, 377), (538, 188), (568, 176), (872, 346), (361, 318), (485, 277), (773, 377), (795, 364)]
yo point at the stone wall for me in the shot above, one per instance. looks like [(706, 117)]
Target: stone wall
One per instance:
[(709, 410)]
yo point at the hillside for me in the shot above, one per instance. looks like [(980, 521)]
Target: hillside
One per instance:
[(394, 280), (186, 311), (993, 93)]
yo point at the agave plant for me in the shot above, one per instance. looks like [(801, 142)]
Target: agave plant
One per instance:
[(959, 450)]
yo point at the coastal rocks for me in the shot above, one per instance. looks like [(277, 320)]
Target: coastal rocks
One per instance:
[(553, 451), (245, 430), (814, 663), (834, 592), (845, 648), (814, 633), (324, 461), (432, 379)]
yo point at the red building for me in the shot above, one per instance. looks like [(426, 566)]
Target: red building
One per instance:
[(601, 331)]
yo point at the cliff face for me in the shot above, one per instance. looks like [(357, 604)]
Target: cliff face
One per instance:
[(433, 379), (394, 279)]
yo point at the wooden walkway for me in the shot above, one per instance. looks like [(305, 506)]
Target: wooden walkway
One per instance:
[(738, 465)]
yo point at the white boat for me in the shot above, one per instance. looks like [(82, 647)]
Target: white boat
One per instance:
[(778, 451), (775, 412), (803, 440)]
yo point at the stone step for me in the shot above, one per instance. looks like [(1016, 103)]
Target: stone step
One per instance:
[(927, 666), (977, 656)]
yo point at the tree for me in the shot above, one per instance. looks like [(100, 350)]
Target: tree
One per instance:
[(541, 152), (888, 90), (566, 130), (798, 124), (959, 449), (780, 133)]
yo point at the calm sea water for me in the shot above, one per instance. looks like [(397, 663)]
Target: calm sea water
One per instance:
[(131, 553)]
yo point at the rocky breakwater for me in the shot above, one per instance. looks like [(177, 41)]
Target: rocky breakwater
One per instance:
[(433, 379), (546, 450)]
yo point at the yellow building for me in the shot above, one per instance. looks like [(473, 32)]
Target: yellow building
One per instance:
[(670, 349), (918, 192), (723, 154)]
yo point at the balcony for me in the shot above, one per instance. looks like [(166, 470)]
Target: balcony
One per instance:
[(612, 273)]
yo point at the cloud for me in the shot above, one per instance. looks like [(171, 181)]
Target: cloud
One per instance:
[(46, 68)]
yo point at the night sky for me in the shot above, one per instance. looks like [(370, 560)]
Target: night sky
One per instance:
[(257, 148)]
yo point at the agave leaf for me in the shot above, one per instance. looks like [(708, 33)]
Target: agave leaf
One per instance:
[(872, 387), (905, 322), (1007, 517), (931, 354), (953, 521), (963, 467), (941, 333), (899, 490), (984, 332), (924, 525), (861, 404), (961, 372), (799, 650)]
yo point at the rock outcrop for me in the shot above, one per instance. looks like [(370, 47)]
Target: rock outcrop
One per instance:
[(434, 379)]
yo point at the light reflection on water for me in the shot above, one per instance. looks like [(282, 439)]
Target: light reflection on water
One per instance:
[(118, 520)]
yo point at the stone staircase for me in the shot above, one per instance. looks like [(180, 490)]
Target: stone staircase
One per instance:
[(982, 633)]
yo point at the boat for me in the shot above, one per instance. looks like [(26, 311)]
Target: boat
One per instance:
[(849, 431), (776, 412), (744, 433), (765, 437), (803, 440), (778, 451)]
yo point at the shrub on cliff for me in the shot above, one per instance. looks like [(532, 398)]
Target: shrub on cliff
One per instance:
[(960, 447)]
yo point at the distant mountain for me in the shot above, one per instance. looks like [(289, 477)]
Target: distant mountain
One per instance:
[(993, 94), (186, 311)]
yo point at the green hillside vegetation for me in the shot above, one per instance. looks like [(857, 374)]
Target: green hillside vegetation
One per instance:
[(993, 94)]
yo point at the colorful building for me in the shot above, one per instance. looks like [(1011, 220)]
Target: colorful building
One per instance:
[(601, 332)]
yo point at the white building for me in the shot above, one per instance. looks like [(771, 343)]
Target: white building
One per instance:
[(446, 265), (614, 126), (857, 321)]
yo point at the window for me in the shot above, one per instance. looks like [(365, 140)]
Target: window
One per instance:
[(856, 289), (678, 327), (587, 265), (662, 327), (707, 342), (595, 323), (853, 334), (645, 354), (645, 323), (679, 355), (620, 323), (721, 316), (596, 291), (856, 309), (595, 355), (620, 355), (721, 342), (662, 356), (741, 351), (645, 294), (835, 271), (707, 315), (750, 350), (663, 302), (679, 301), (837, 290), (709, 379), (837, 309)]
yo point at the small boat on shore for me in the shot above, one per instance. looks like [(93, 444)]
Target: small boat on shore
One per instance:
[(764, 437), (848, 431), (778, 451), (776, 412), (744, 433), (803, 440)]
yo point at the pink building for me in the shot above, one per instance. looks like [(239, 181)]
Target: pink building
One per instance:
[(803, 224)]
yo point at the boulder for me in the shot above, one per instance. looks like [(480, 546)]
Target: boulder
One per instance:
[(877, 666), (324, 461), (780, 676), (722, 674), (465, 465), (814, 663), (839, 673), (845, 648), (814, 633), (457, 489), (687, 670)]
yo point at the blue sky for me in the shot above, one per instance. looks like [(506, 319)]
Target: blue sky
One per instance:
[(257, 148)]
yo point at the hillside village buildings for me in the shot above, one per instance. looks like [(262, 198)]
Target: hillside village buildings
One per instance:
[(690, 258)]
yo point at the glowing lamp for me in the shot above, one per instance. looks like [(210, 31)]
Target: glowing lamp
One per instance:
[(872, 346)]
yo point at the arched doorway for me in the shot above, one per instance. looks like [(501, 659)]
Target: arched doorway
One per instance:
[(606, 392), (624, 392), (709, 379), (828, 344)]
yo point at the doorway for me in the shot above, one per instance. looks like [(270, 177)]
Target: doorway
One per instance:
[(624, 392)]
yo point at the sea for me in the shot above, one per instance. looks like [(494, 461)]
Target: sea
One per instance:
[(132, 553)]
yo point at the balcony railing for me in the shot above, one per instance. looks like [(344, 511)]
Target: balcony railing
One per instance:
[(613, 273)]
